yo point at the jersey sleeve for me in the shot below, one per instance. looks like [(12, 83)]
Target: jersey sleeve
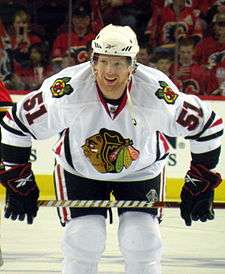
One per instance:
[(40, 114), (188, 116)]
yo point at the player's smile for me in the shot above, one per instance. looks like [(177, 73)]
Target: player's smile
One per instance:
[(110, 81)]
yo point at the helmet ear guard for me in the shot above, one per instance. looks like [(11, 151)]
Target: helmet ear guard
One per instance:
[(117, 41)]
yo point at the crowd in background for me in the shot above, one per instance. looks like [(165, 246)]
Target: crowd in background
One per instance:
[(183, 38)]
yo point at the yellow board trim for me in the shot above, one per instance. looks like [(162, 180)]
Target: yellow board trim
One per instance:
[(173, 188)]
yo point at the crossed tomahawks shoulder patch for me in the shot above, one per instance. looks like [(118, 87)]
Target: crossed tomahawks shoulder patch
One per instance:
[(166, 93), (60, 87)]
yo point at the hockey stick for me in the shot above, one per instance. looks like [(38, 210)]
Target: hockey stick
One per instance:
[(117, 204)]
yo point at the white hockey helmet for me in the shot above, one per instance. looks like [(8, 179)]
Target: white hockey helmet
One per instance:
[(116, 40)]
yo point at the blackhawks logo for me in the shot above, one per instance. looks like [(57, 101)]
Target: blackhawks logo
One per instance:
[(166, 93), (60, 87), (109, 152)]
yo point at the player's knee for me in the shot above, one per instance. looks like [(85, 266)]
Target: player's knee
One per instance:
[(84, 238), (139, 237)]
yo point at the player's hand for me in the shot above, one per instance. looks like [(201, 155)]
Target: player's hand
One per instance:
[(21, 192), (198, 193)]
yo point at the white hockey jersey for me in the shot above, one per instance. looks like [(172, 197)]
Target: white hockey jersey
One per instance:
[(100, 141)]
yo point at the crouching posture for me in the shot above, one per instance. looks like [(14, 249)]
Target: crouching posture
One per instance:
[(111, 114)]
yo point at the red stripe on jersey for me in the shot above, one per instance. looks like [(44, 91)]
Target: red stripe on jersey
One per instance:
[(61, 194), (162, 190), (217, 122), (58, 148), (164, 141), (8, 115)]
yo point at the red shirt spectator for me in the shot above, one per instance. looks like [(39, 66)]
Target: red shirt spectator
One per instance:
[(172, 22), (211, 50), (37, 69), (5, 103), (194, 77), (79, 37), (5, 49), (21, 37), (217, 80)]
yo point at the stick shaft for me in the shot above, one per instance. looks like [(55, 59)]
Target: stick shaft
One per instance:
[(110, 204)]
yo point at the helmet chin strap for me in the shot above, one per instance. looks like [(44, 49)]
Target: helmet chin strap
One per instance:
[(130, 105)]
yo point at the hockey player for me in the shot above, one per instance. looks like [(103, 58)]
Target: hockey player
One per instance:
[(5, 103), (112, 114)]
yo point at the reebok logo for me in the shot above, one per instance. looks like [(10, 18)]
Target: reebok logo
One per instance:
[(23, 181)]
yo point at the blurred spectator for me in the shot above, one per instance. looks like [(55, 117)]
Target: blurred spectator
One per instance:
[(192, 77), (81, 54), (134, 13), (119, 12), (217, 79), (162, 59), (95, 14), (51, 15), (214, 7), (5, 103), (202, 5), (37, 69), (75, 43), (173, 21), (5, 52), (211, 50), (143, 55), (13, 82), (5, 100), (22, 37), (8, 8)]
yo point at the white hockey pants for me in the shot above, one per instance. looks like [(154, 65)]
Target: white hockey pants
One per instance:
[(83, 244), (140, 243)]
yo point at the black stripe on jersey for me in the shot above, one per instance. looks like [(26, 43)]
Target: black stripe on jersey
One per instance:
[(2, 114), (67, 148), (207, 125), (17, 155), (157, 146), (210, 137), (163, 157), (19, 123), (12, 130), (209, 159), (6, 104)]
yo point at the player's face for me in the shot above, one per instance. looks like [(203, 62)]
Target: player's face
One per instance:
[(112, 73)]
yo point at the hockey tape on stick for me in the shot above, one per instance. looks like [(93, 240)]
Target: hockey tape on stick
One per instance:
[(110, 204)]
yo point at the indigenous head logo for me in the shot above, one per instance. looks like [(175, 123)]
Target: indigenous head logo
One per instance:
[(166, 93), (109, 152), (60, 87)]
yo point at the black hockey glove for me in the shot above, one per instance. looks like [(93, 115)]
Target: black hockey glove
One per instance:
[(198, 193), (21, 192)]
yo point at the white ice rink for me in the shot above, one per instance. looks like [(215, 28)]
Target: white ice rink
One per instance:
[(36, 249)]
